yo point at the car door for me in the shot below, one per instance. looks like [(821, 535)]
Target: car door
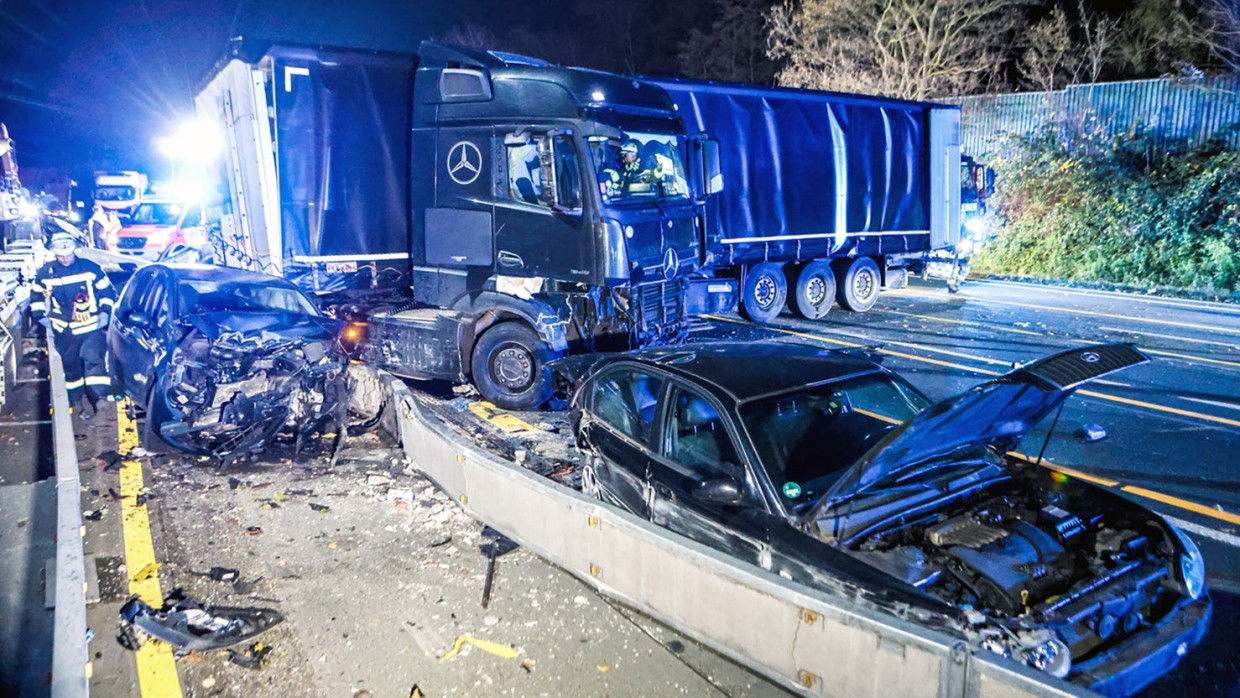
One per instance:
[(149, 340), (697, 454), (123, 337), (618, 425)]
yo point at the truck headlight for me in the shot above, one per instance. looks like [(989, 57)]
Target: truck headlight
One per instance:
[(1192, 572)]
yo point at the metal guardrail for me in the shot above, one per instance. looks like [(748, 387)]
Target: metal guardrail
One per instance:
[(70, 656), (813, 641)]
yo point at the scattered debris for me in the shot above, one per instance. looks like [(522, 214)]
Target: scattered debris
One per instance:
[(95, 515), (109, 460), (603, 667), (493, 549), (188, 626), (150, 570), (416, 692), (441, 542), (255, 656), (1090, 433), (319, 508), (224, 574), (399, 495), (503, 651), (254, 530), (378, 480)]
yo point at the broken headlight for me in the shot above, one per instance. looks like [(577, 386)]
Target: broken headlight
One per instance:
[(1192, 571)]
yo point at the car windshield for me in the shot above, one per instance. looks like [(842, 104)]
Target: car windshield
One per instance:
[(205, 296), (639, 167), (807, 438), (156, 214)]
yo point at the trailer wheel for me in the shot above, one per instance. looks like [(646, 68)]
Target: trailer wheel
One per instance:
[(765, 292), (858, 290), (510, 367), (815, 290)]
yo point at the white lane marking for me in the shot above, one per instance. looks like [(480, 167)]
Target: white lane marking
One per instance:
[(1216, 403), (1175, 302), (1205, 531), (1171, 336), (26, 424)]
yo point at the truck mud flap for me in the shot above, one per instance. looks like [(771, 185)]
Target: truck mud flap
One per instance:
[(817, 642)]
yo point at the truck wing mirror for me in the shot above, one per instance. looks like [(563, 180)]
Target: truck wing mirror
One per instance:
[(712, 177)]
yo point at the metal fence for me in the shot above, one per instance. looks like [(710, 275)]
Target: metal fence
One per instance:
[(1168, 109)]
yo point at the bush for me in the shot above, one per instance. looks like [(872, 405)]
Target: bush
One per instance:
[(1123, 210)]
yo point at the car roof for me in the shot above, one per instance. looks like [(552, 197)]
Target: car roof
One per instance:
[(221, 275), (747, 370)]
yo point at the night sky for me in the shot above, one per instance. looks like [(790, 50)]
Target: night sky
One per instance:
[(88, 84)]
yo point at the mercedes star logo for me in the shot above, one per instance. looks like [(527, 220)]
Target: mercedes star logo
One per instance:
[(464, 162), (1090, 357), (670, 264)]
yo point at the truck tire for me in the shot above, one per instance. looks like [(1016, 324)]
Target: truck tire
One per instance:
[(859, 286), (765, 292), (815, 290), (510, 367)]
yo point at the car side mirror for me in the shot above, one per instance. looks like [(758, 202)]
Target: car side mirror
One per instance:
[(137, 318), (719, 490)]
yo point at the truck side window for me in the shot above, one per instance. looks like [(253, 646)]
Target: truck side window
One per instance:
[(568, 171), (524, 176)]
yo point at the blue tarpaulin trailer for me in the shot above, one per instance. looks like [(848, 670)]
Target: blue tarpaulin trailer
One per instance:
[(824, 194)]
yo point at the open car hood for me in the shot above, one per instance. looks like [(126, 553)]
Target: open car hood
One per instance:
[(1001, 410), (287, 326)]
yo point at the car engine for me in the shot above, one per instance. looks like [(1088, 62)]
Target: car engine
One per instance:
[(1037, 560), (237, 392)]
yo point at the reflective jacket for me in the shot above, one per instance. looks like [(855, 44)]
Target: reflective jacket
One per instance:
[(73, 296)]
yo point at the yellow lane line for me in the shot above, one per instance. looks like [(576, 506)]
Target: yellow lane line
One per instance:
[(1161, 408), (505, 421), (1190, 357), (1093, 313), (157, 670), (1067, 471), (1182, 504), (1165, 499)]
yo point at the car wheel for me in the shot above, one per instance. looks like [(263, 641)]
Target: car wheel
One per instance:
[(815, 290), (858, 289), (510, 367), (765, 292)]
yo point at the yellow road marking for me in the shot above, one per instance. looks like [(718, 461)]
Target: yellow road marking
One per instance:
[(157, 670), (505, 421), (1182, 504), (1189, 357), (1165, 499), (1094, 313), (1066, 470)]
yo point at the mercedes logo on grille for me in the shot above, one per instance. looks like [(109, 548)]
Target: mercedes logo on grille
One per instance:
[(464, 162), (1090, 357), (670, 264)]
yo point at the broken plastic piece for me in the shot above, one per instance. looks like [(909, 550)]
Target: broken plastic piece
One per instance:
[(253, 657), (189, 627), (494, 648), (224, 574), (1090, 433), (319, 508)]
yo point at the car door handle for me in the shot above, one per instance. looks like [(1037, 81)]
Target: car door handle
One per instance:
[(509, 259)]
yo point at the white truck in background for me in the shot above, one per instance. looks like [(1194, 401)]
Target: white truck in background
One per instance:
[(120, 191)]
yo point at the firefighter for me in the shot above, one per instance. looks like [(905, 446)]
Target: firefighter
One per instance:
[(74, 299)]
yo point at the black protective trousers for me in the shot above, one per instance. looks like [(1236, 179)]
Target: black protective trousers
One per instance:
[(82, 356)]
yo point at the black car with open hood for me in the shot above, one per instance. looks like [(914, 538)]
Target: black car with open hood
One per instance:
[(825, 468)]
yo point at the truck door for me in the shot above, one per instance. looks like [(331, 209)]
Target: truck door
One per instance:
[(540, 224)]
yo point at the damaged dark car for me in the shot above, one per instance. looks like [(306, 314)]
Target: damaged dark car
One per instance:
[(223, 360), (828, 469)]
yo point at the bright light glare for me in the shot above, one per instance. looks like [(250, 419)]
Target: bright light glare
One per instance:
[(976, 225), (189, 190), (28, 209), (598, 96), (193, 141)]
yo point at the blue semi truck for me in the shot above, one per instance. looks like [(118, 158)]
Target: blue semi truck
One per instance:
[(827, 196)]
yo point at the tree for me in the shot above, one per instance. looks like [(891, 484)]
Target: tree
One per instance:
[(734, 48), (1158, 37), (1223, 17), (914, 49), (1062, 52)]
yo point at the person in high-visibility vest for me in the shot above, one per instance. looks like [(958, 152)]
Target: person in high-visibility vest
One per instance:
[(74, 299)]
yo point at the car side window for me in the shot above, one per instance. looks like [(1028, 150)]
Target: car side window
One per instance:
[(131, 296), (697, 440), (155, 301), (626, 400)]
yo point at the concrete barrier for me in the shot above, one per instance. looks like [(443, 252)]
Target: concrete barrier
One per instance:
[(813, 641), (70, 655)]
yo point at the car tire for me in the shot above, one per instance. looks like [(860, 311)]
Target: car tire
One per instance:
[(815, 290), (859, 285), (509, 366), (765, 292)]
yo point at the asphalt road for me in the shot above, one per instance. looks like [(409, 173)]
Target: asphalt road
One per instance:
[(376, 588), (1173, 425)]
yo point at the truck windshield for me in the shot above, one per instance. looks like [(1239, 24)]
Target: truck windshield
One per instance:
[(115, 193), (639, 166)]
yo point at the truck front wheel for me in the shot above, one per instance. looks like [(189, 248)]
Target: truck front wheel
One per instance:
[(815, 290), (858, 289), (765, 292), (510, 367)]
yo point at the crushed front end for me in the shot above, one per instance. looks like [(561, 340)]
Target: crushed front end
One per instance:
[(231, 394)]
